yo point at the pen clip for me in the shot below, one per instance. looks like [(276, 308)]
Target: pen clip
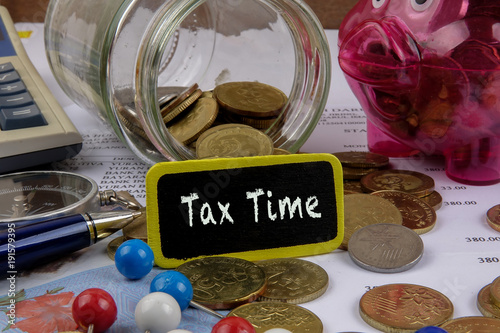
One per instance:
[(109, 197)]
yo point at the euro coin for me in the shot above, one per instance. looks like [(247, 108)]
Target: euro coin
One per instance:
[(472, 324), (197, 119), (412, 182), (251, 99), (360, 159), (233, 140), (493, 217), (363, 209), (265, 316), (417, 214), (385, 248), (224, 282), (293, 280), (404, 308), (485, 303)]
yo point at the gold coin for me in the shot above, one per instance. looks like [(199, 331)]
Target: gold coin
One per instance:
[(197, 120), (355, 173), (363, 209), (493, 217), (138, 228), (223, 282), (417, 214), (485, 303), (259, 123), (472, 325), (495, 291), (268, 315), (292, 280), (114, 245), (435, 200), (404, 308), (178, 105), (233, 140), (412, 182), (361, 159), (353, 186), (280, 151), (251, 99)]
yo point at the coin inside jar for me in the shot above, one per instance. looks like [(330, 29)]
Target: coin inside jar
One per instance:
[(293, 280), (233, 140), (224, 282)]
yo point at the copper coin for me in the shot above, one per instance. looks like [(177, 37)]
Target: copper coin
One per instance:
[(493, 217), (404, 308), (485, 304), (412, 182), (417, 214), (355, 173), (353, 186), (472, 325), (435, 200), (361, 159), (495, 291)]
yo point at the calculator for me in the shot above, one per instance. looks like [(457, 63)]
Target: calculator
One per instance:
[(34, 129)]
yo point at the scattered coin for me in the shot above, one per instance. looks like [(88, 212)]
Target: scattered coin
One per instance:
[(251, 99), (417, 214), (435, 200), (356, 173), (233, 140), (197, 119), (293, 280), (114, 245), (472, 325), (223, 282), (268, 315), (485, 303), (386, 248), (412, 182), (493, 217), (280, 151), (360, 159), (353, 186), (404, 308), (363, 209), (495, 291)]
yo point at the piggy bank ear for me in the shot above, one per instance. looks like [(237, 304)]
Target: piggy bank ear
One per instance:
[(447, 11)]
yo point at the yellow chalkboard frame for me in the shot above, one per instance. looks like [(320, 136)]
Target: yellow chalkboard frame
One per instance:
[(186, 167)]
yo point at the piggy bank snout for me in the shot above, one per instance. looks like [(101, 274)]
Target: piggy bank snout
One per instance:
[(381, 54)]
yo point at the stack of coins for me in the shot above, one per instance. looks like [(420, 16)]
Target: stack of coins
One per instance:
[(488, 299), (234, 284), (356, 164), (227, 122)]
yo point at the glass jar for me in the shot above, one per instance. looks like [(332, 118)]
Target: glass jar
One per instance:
[(117, 58)]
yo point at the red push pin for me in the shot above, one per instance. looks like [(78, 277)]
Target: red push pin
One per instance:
[(94, 310), (233, 325)]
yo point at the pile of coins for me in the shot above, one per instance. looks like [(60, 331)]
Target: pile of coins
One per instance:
[(225, 122), (259, 292), (488, 299)]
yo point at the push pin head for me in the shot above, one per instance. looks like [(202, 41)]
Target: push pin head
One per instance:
[(431, 329), (94, 310), (233, 325), (134, 259), (157, 312)]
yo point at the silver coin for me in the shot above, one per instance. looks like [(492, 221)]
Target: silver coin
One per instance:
[(385, 248)]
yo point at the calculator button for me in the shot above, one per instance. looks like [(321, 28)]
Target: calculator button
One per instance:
[(17, 118), (8, 67), (12, 88), (9, 77), (14, 101)]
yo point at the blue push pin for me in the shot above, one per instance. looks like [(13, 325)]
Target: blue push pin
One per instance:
[(134, 259), (179, 287), (431, 329)]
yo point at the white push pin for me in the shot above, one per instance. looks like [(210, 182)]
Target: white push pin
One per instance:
[(157, 312)]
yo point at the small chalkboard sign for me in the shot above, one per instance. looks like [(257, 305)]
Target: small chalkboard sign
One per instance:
[(251, 207)]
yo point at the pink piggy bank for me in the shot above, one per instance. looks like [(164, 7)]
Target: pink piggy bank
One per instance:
[(427, 73)]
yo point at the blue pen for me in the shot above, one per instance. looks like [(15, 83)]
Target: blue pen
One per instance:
[(31, 245)]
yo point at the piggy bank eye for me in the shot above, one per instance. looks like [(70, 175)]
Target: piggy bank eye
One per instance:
[(420, 5), (378, 3)]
